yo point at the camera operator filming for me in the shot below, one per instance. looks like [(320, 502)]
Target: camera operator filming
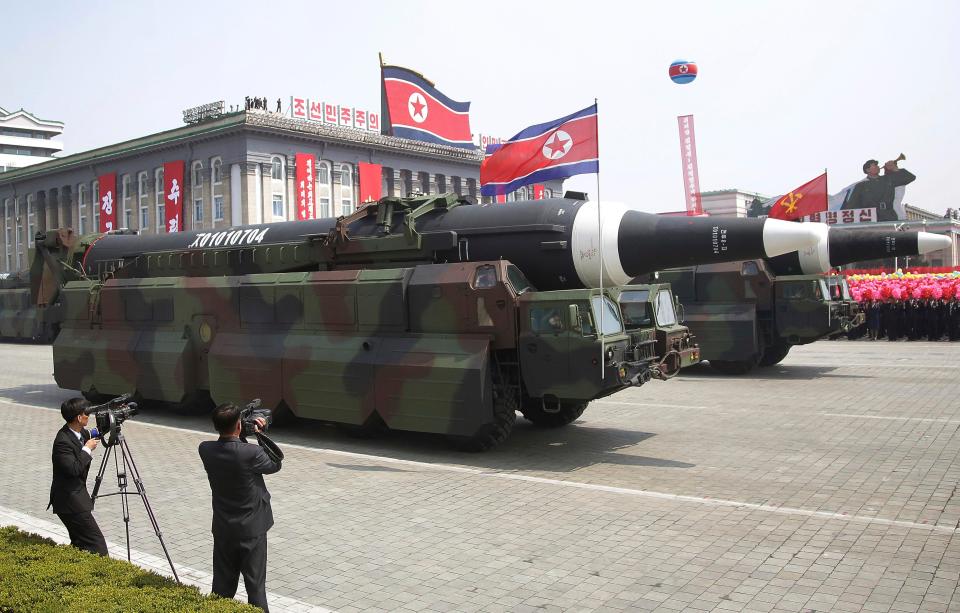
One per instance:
[(241, 503), (72, 454)]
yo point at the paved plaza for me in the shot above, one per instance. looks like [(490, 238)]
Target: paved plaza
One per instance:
[(825, 483)]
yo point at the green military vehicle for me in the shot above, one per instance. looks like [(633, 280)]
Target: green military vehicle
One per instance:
[(745, 316), (416, 314), (653, 308), (750, 313)]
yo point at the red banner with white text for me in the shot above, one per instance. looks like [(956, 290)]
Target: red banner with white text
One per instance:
[(691, 175), (538, 191), (371, 181), (108, 202), (173, 195), (305, 167)]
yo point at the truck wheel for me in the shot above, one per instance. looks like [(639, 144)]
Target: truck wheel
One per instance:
[(492, 434), (733, 367), (94, 397), (569, 412), (774, 355)]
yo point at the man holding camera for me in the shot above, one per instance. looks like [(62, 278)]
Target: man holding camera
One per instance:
[(72, 454), (241, 506)]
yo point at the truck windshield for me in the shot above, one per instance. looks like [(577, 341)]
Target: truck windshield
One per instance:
[(610, 321), (517, 280), (839, 290), (666, 315), (637, 311)]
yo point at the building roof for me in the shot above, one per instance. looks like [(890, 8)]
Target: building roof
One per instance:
[(8, 115), (723, 192), (239, 121)]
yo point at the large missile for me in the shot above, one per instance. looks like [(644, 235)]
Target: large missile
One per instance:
[(557, 243), (838, 246)]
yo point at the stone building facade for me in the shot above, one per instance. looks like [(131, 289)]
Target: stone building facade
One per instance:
[(239, 170)]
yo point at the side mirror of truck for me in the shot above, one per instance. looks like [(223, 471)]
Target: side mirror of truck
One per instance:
[(681, 317), (575, 323)]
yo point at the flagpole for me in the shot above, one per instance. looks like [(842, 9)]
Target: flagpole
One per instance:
[(596, 135)]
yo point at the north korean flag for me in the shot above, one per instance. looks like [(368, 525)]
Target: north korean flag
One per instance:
[(417, 110), (548, 151)]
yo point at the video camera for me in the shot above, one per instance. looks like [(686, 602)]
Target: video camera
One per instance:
[(109, 417), (248, 425)]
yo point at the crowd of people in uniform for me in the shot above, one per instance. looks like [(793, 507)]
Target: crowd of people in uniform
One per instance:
[(908, 306)]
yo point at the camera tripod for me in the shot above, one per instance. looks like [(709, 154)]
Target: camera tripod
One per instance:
[(111, 442)]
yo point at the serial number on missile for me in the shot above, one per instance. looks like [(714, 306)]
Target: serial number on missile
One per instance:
[(719, 238), (251, 236)]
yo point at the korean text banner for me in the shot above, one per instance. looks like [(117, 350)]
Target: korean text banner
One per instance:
[(108, 202), (688, 157), (173, 195), (548, 151), (417, 110), (305, 171)]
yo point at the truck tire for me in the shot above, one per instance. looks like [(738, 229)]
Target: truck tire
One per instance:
[(492, 434), (774, 355), (569, 412), (732, 367)]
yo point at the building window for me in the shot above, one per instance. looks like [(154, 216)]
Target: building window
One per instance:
[(144, 219), (441, 184), (346, 189), (31, 218), (81, 206), (406, 183), (197, 213), (472, 187), (324, 190), (197, 174), (142, 202), (423, 182), (96, 207), (6, 232), (218, 208), (125, 196), (158, 201), (278, 187), (458, 186), (216, 171)]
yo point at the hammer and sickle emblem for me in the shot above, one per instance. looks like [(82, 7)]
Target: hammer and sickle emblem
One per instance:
[(790, 201)]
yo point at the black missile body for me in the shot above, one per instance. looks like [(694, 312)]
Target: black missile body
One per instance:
[(556, 243), (839, 246)]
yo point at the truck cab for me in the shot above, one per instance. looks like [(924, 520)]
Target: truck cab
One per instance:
[(653, 307)]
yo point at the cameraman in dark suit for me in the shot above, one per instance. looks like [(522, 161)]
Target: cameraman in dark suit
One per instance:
[(241, 507), (72, 455)]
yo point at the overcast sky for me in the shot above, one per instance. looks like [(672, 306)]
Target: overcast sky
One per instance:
[(784, 90)]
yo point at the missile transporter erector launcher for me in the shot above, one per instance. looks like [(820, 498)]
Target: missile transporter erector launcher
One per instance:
[(425, 314), (750, 313)]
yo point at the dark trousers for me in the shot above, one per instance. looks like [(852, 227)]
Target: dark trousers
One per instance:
[(231, 558), (84, 532)]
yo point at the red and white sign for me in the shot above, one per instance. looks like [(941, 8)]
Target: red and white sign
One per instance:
[(371, 181), (333, 114), (305, 171), (844, 216), (173, 195), (108, 199), (538, 191), (691, 175)]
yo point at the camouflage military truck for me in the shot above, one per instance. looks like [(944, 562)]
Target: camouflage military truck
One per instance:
[(415, 314), (29, 301), (653, 308), (750, 313), (744, 316)]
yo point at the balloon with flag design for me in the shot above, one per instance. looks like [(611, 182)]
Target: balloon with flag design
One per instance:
[(682, 71)]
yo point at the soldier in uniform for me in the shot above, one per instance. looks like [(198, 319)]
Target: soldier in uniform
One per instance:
[(879, 190)]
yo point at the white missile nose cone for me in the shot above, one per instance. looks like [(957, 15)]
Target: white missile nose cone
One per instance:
[(928, 241), (781, 237)]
